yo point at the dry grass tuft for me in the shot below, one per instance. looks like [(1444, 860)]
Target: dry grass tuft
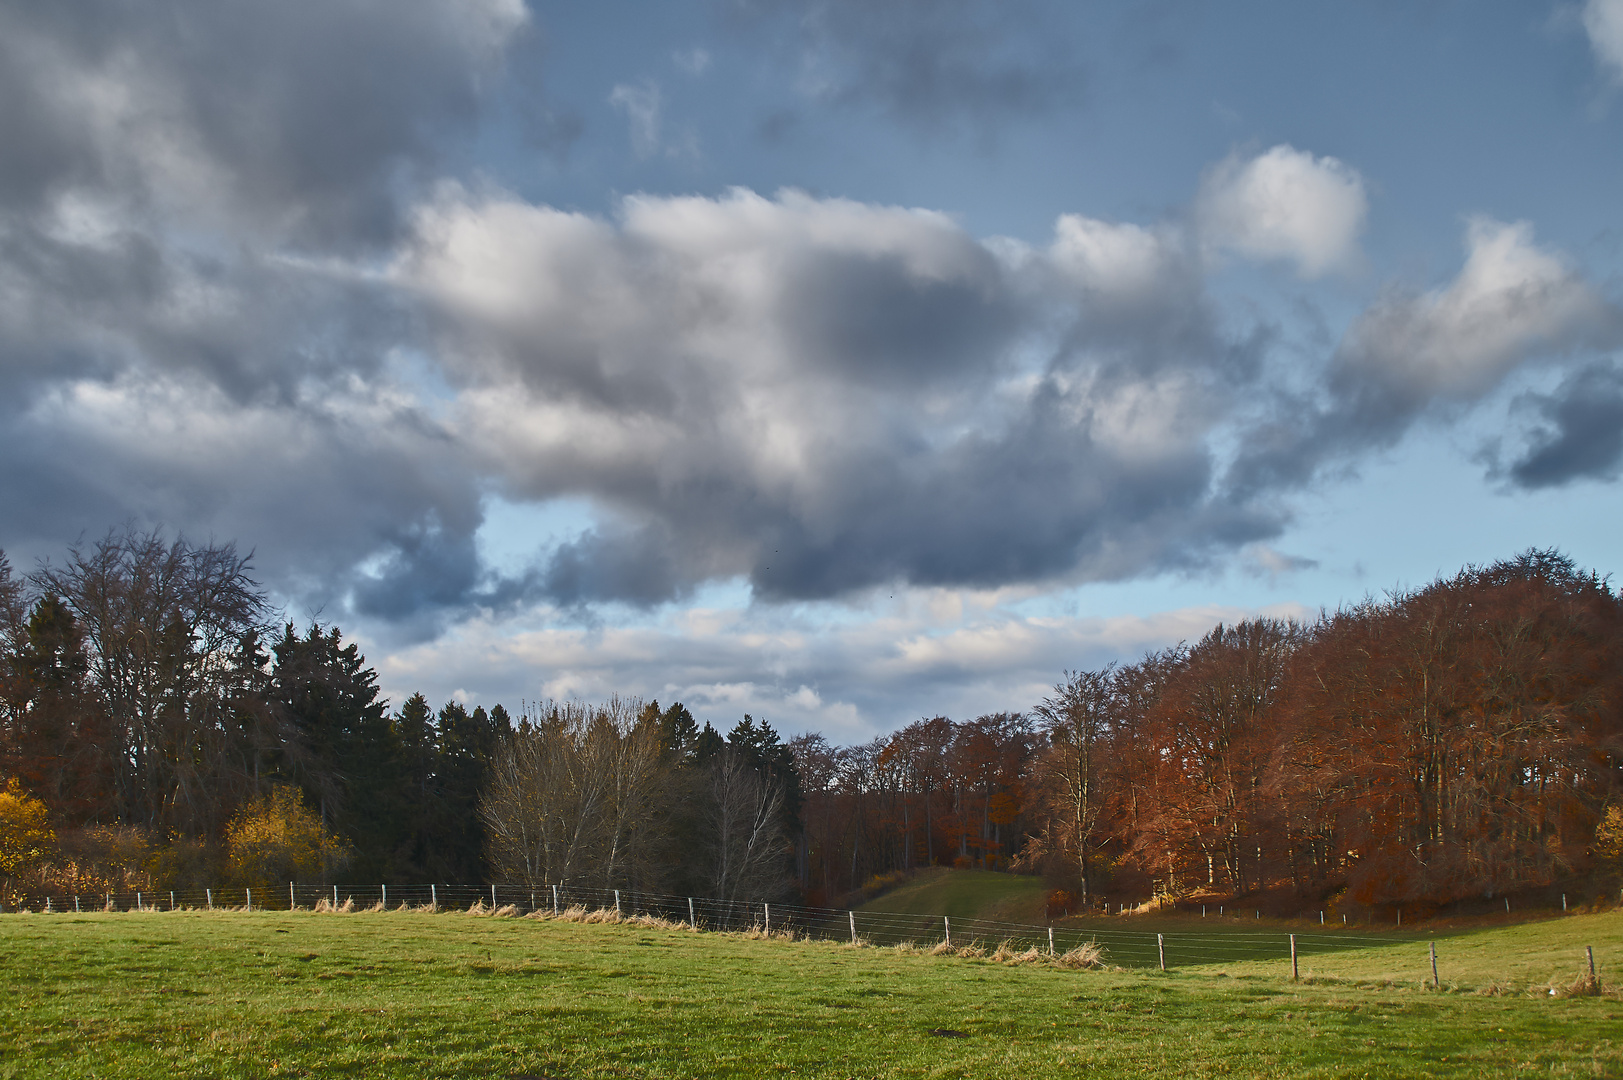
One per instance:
[(973, 951), (1088, 955), (602, 915), (478, 908), (506, 911), (327, 907), (942, 948)]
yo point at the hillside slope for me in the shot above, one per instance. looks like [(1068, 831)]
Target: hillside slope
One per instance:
[(967, 894)]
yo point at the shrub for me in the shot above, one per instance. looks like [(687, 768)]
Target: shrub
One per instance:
[(276, 838)]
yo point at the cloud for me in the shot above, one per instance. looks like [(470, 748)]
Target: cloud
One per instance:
[(193, 331), (1603, 22), (1285, 204), (926, 64), (929, 651), (694, 61), (823, 395), (641, 104), (1581, 436), (1410, 354)]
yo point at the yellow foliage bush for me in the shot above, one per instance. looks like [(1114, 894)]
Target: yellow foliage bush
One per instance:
[(26, 836), (276, 839)]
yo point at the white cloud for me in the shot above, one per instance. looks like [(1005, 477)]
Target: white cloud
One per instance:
[(1285, 204), (641, 104), (694, 61), (1512, 302), (1603, 21), (851, 673)]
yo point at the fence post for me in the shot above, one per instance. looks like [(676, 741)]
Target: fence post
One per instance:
[(853, 916), (1050, 941), (171, 899), (139, 908), (1294, 973), (335, 898), (493, 896), (1435, 981), (248, 902), (1563, 901), (555, 899), (947, 924), (291, 903), (1161, 950), (385, 897), (768, 909), (434, 896), (1590, 949), (76, 903), (1400, 916), (693, 923), (616, 903), (210, 894), (1507, 905), (1321, 918)]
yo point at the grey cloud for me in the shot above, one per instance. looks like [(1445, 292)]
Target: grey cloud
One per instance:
[(824, 396), (926, 63), (297, 116), (1582, 433), (1410, 355)]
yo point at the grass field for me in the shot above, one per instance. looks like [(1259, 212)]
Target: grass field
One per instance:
[(408, 994)]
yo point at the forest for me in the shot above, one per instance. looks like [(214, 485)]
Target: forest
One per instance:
[(161, 726)]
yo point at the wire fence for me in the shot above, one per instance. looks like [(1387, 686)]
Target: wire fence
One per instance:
[(1123, 946)]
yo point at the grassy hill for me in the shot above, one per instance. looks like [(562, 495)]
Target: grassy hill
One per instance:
[(263, 994), (967, 894)]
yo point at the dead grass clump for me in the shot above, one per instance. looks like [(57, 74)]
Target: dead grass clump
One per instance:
[(1496, 989), (943, 948), (327, 907), (1008, 955), (1086, 956), (906, 948), (973, 951), (506, 911), (655, 922), (478, 908), (601, 915), (1586, 985)]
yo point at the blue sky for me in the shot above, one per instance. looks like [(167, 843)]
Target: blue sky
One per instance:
[(839, 362)]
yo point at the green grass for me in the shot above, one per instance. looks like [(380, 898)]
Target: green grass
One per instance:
[(967, 894), (401, 994)]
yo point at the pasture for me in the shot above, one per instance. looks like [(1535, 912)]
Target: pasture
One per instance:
[(409, 993)]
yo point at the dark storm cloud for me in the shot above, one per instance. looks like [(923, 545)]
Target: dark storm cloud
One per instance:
[(926, 62), (1582, 434)]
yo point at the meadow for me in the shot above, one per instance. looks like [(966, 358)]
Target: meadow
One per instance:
[(410, 993)]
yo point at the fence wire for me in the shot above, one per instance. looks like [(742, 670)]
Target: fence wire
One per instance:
[(1124, 947)]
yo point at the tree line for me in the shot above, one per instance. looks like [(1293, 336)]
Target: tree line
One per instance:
[(1461, 740)]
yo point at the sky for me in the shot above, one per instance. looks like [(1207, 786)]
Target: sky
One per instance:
[(842, 362)]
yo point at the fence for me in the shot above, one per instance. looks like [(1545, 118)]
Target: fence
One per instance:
[(1124, 947)]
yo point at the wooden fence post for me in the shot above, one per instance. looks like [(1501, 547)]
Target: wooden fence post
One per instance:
[(616, 903), (947, 925), (1050, 941), (1161, 950), (853, 916), (767, 911), (1295, 974), (693, 922)]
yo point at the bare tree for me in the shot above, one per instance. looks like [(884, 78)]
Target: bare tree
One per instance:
[(747, 845), (574, 796), (166, 623)]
